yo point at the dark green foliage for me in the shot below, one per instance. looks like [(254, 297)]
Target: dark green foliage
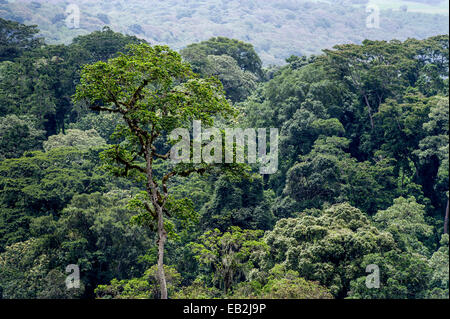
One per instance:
[(40, 184), (93, 232), (103, 45), (328, 174), (233, 62), (16, 38), (403, 276), (42, 80), (237, 202), (243, 53), (18, 135)]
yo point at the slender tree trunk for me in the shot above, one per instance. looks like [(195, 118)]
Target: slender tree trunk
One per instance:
[(162, 235), (161, 242), (446, 220)]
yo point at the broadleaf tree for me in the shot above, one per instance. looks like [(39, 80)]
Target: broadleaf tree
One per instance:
[(154, 92)]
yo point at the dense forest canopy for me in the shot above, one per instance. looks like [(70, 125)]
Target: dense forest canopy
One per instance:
[(276, 28), (362, 180)]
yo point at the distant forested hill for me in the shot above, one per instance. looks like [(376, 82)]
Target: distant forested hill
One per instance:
[(277, 29)]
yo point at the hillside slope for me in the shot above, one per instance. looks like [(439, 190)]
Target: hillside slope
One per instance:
[(277, 29)]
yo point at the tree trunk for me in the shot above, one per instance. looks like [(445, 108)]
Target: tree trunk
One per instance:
[(161, 241), (446, 220), (162, 235)]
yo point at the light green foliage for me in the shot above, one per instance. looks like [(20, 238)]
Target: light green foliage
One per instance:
[(290, 286), (145, 287), (439, 265), (405, 272), (233, 62), (155, 92), (18, 264), (198, 290), (326, 246), (82, 140), (405, 221), (153, 73), (103, 123), (229, 256), (403, 275), (24, 274), (280, 284), (137, 288), (238, 84)]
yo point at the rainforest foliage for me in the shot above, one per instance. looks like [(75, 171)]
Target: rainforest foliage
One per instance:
[(362, 180)]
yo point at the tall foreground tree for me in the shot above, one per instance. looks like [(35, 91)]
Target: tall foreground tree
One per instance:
[(154, 92)]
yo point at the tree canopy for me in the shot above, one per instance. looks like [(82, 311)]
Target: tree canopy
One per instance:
[(86, 176)]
